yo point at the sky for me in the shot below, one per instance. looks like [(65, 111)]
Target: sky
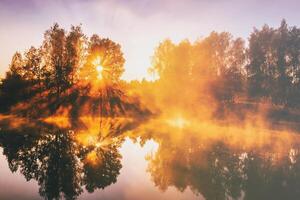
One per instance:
[(137, 25)]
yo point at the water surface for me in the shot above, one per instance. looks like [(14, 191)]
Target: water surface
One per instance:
[(153, 159)]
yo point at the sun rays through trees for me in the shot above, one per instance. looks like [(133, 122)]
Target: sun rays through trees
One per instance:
[(223, 114), (76, 74)]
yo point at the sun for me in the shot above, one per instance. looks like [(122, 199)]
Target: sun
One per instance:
[(99, 68)]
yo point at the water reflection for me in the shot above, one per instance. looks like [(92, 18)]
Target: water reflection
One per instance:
[(213, 161), (225, 165), (58, 162)]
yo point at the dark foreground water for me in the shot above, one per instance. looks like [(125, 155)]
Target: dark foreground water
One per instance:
[(155, 159)]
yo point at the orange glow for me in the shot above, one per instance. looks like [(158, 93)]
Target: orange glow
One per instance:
[(60, 121), (99, 67), (250, 135), (99, 70), (99, 136), (92, 158), (86, 139), (15, 121), (60, 118), (178, 122)]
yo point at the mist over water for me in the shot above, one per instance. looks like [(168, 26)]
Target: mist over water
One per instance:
[(220, 121), (163, 158)]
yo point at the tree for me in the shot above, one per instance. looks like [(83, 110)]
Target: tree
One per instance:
[(283, 84), (75, 53), (207, 71), (101, 73), (293, 63), (14, 87), (105, 61), (273, 68), (34, 70), (55, 59), (66, 67), (227, 64), (17, 65), (260, 70)]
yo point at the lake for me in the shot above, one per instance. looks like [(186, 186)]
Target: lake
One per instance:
[(158, 158)]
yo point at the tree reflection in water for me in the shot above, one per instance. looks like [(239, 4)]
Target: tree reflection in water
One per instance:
[(104, 168), (212, 165), (60, 164)]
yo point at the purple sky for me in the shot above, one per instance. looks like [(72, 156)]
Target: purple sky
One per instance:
[(138, 25)]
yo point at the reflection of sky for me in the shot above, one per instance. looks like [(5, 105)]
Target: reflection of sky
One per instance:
[(133, 183), (138, 25)]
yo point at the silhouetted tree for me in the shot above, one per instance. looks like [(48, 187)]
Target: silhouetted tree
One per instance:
[(55, 58), (76, 43), (272, 71), (14, 88), (65, 70), (293, 63)]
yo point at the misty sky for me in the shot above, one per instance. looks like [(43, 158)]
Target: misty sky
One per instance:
[(138, 25)]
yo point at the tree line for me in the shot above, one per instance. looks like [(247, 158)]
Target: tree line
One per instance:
[(220, 70), (219, 66)]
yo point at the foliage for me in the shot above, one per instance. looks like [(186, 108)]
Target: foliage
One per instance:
[(62, 68)]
